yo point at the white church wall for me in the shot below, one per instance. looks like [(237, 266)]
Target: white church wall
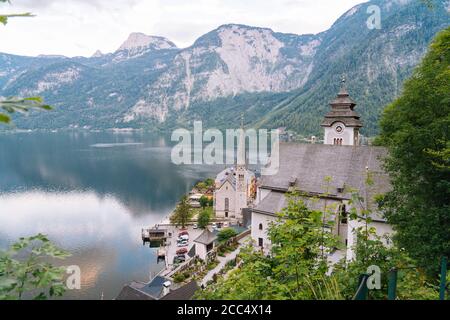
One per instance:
[(257, 233), (226, 191), (200, 250), (347, 135)]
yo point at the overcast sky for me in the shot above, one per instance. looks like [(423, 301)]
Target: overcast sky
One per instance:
[(80, 27)]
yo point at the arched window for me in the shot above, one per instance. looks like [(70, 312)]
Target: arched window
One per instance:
[(343, 214), (260, 226)]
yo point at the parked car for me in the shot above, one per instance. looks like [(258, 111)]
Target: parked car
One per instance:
[(183, 233), (182, 244), (182, 251), (177, 260), (183, 237)]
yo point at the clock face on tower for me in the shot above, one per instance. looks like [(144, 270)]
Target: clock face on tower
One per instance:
[(339, 128)]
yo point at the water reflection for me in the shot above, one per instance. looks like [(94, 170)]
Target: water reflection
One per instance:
[(91, 200)]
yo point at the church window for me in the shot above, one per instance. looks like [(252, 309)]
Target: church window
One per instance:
[(227, 204), (343, 214), (260, 226)]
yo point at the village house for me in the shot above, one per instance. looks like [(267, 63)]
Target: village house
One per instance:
[(325, 174), (205, 244)]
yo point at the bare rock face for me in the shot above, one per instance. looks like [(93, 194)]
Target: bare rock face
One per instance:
[(230, 60), (279, 79), (138, 44)]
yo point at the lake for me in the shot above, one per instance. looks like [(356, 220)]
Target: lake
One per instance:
[(91, 193)]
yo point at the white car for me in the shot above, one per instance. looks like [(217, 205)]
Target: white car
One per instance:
[(184, 237), (182, 244)]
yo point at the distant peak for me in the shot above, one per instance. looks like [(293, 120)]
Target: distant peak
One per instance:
[(241, 26), (97, 54), (51, 56), (139, 40)]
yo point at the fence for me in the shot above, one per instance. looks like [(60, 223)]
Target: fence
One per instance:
[(362, 290)]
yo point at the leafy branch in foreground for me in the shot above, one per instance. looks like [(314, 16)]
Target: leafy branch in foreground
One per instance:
[(21, 105), (24, 269), (4, 17)]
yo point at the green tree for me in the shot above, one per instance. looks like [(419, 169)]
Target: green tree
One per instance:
[(25, 270), (415, 129), (226, 234), (371, 250), (204, 202), (182, 214), (298, 244), (294, 269), (209, 182), (204, 218)]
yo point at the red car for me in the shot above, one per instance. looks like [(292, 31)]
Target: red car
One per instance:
[(182, 251), (183, 233)]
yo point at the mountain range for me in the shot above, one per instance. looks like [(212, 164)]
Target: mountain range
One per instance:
[(275, 79)]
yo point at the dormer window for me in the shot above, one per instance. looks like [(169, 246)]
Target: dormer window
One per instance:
[(292, 181)]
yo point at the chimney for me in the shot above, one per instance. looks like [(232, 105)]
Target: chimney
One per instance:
[(166, 288)]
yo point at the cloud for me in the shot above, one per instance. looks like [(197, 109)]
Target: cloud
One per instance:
[(80, 27)]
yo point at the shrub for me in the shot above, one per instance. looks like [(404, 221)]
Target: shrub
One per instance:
[(179, 277), (226, 234)]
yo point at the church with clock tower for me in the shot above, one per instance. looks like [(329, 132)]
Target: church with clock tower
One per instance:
[(342, 123), (325, 177)]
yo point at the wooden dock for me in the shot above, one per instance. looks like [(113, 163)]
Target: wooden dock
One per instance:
[(154, 234)]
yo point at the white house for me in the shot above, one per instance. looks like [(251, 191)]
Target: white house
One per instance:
[(204, 244), (305, 167)]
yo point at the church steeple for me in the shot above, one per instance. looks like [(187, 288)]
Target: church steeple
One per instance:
[(241, 158), (342, 123), (241, 174)]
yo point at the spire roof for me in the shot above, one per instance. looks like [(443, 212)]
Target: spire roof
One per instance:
[(342, 109), (241, 156)]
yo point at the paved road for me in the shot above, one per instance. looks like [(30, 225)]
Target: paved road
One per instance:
[(172, 248)]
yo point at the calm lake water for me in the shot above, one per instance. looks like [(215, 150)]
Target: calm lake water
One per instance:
[(91, 193)]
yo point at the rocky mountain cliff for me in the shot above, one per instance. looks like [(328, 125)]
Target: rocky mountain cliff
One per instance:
[(276, 79)]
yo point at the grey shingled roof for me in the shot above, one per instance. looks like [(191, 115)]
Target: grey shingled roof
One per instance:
[(310, 164), (155, 287), (130, 293), (207, 237), (186, 292), (276, 201)]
